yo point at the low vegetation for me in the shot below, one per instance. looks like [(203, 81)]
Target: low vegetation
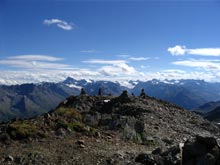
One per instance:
[(76, 126), (69, 113), (23, 129)]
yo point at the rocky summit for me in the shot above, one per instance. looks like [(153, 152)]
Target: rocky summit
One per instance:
[(109, 130)]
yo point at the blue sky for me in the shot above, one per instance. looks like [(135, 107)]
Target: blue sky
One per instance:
[(109, 40)]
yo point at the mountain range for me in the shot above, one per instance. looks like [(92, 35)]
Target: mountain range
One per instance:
[(188, 94), (27, 100)]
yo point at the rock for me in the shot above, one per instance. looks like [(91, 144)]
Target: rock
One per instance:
[(157, 151), (120, 158), (9, 158), (148, 140), (93, 119), (215, 151), (82, 146), (159, 160), (210, 159), (202, 150), (109, 137), (47, 116), (110, 161), (5, 138), (65, 102), (60, 132), (210, 142), (171, 151), (193, 149), (98, 134), (80, 142), (168, 141), (145, 159), (139, 127), (171, 156)]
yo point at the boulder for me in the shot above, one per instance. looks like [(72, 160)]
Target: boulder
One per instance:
[(202, 150)]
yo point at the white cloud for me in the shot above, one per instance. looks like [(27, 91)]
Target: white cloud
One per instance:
[(35, 58), (118, 64), (139, 58), (34, 62), (205, 51), (172, 74), (59, 23), (129, 57), (204, 64), (40, 68), (108, 73), (126, 69), (100, 61), (174, 71), (46, 75), (179, 50), (114, 68)]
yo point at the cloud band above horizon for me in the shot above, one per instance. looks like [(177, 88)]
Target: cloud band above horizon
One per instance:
[(179, 50)]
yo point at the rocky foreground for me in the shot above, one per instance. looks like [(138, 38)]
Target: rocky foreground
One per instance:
[(111, 130)]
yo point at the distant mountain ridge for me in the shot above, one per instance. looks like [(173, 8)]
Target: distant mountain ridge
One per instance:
[(210, 111), (188, 94), (208, 107), (27, 100)]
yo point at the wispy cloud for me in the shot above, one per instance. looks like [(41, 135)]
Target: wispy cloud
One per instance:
[(123, 55), (100, 61), (34, 62), (172, 74), (37, 76), (204, 64), (35, 58), (179, 50), (174, 71), (139, 58), (132, 58), (59, 23)]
